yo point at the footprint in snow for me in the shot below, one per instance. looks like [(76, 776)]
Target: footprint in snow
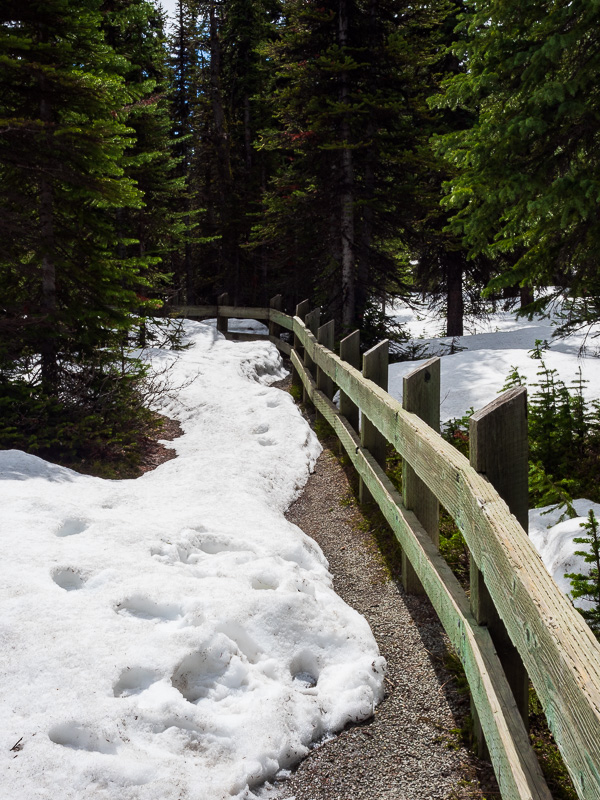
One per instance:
[(71, 527), (134, 680), (80, 737), (68, 578), (191, 551), (304, 669), (143, 608)]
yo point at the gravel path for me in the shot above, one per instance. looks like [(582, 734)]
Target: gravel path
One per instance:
[(411, 749)]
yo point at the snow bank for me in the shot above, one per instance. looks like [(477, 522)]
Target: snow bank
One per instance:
[(174, 636), (554, 541), (473, 376)]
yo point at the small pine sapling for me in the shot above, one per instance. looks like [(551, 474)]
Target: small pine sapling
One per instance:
[(587, 586)]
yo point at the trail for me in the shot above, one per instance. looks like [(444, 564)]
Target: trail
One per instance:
[(411, 749)]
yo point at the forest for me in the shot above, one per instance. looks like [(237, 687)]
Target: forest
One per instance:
[(346, 151)]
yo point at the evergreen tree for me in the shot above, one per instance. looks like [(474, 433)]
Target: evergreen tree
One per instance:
[(442, 269), (341, 212), (527, 179), (69, 287), (184, 98), (227, 171), (134, 29), (587, 586)]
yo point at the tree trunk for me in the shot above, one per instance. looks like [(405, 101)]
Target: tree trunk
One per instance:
[(48, 349), (347, 191), (526, 295), (455, 307), (225, 191)]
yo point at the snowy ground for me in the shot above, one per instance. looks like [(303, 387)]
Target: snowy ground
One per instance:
[(475, 375), (174, 636)]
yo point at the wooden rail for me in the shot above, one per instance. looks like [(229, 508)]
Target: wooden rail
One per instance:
[(556, 647)]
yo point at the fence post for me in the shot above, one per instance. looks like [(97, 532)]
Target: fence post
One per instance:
[(301, 311), (312, 320), (350, 352), (498, 448), (375, 368), (421, 396), (276, 303), (326, 337), (222, 322)]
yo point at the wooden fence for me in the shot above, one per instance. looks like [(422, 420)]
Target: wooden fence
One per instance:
[(516, 624)]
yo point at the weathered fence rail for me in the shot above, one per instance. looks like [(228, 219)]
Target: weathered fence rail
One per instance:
[(516, 611)]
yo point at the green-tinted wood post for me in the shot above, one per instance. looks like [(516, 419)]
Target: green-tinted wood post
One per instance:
[(498, 448), (313, 320), (222, 322), (350, 352), (276, 303), (301, 311), (326, 337), (375, 368), (421, 396)]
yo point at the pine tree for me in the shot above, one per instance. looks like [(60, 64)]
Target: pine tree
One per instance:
[(184, 98), (70, 287), (527, 179), (135, 30), (342, 210), (587, 586), (228, 172)]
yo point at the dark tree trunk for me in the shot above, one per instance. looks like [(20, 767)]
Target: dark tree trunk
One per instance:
[(48, 348), (455, 307), (526, 295), (347, 191)]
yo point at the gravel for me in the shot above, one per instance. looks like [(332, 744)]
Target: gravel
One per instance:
[(411, 749)]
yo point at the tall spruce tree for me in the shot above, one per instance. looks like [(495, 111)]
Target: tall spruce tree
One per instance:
[(227, 172), (134, 29), (341, 213), (69, 287), (527, 180)]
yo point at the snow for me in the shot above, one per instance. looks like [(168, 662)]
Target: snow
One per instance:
[(552, 534), (235, 325), (174, 636), (474, 376)]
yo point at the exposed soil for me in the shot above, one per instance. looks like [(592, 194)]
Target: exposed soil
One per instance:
[(154, 453)]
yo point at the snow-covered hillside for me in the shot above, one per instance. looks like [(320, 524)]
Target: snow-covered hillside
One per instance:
[(174, 636), (475, 374)]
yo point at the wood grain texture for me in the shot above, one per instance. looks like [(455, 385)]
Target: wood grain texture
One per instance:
[(375, 368), (498, 448), (284, 347), (281, 319), (421, 395), (312, 321), (516, 766), (193, 312), (558, 649), (350, 352), (209, 312), (275, 303), (302, 310), (326, 337)]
